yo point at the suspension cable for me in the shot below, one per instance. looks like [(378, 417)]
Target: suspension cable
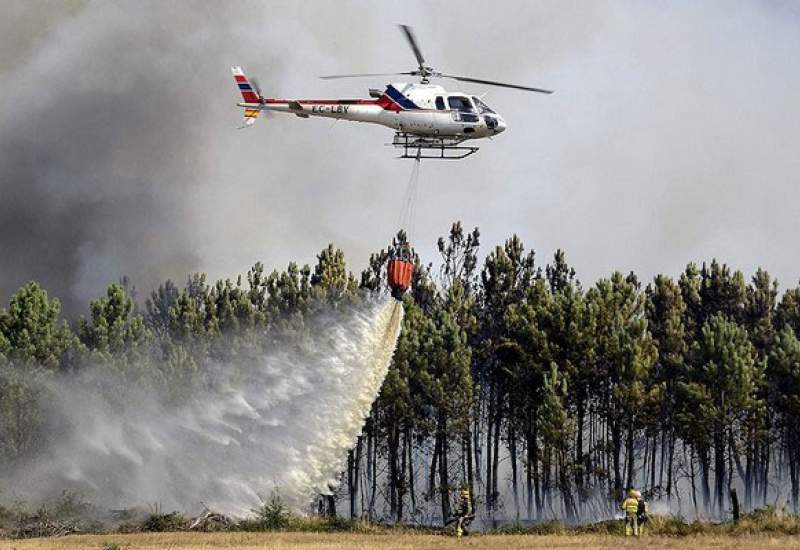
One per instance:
[(406, 218)]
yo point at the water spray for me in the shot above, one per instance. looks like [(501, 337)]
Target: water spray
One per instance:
[(282, 421)]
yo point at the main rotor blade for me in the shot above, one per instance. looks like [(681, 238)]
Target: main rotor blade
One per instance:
[(412, 41), (493, 83), (359, 75)]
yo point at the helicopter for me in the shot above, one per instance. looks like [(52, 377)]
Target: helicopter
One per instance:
[(429, 121)]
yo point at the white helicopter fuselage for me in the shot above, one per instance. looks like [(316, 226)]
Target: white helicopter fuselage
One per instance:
[(417, 109)]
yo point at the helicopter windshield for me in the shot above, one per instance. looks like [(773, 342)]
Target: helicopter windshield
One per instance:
[(482, 107), (460, 103)]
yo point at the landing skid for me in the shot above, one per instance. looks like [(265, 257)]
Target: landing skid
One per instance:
[(427, 147)]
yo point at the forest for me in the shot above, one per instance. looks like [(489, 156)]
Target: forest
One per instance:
[(546, 396)]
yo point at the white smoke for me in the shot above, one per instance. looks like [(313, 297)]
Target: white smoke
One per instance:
[(282, 422)]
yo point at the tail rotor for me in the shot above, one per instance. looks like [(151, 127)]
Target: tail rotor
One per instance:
[(251, 96)]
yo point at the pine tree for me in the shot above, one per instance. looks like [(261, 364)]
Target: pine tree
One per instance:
[(113, 330), (784, 394), (624, 355), (506, 275), (721, 392), (30, 329), (330, 281), (557, 429), (666, 313)]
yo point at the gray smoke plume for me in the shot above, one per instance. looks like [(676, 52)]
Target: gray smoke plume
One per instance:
[(280, 422), (671, 137)]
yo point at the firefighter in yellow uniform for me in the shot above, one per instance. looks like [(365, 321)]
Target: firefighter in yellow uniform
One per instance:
[(464, 512), (631, 508)]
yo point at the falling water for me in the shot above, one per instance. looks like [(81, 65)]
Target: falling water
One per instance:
[(284, 422)]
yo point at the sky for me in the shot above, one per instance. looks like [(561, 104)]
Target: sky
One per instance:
[(673, 136)]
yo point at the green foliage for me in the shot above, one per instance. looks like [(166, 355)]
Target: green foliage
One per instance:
[(785, 372), (727, 367), (30, 329), (787, 312), (330, 281), (676, 526), (5, 348), (577, 392), (20, 416), (157, 522), (114, 330), (556, 425), (273, 514)]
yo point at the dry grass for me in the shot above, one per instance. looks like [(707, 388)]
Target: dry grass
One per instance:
[(336, 541)]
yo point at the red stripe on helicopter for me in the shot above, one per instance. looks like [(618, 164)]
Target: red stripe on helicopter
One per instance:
[(325, 101), (384, 102), (387, 104)]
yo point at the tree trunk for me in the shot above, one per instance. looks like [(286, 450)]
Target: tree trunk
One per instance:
[(748, 475), (331, 501), (444, 484), (694, 485), (470, 468), (670, 464), (735, 504), (432, 471), (765, 479), (705, 466), (719, 471), (496, 457), (653, 463), (393, 443), (512, 449), (537, 484), (476, 440), (353, 464), (767, 453), (579, 469), (793, 474), (411, 477), (401, 482), (662, 458), (528, 472), (371, 469), (629, 452), (616, 449), (373, 479), (489, 426), (564, 487)]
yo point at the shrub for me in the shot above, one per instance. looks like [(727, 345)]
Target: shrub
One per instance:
[(273, 514), (157, 522), (766, 520)]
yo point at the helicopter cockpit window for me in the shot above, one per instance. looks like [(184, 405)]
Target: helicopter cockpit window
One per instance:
[(460, 103), (440, 103), (483, 108)]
